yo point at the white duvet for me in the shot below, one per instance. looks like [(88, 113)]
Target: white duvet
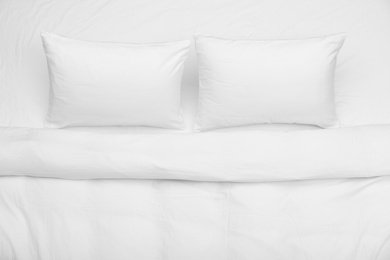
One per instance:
[(207, 212), (46, 219), (240, 156)]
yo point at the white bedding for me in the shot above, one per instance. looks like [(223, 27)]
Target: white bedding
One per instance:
[(246, 82), (214, 156), (270, 216), (50, 219), (362, 77), (242, 193)]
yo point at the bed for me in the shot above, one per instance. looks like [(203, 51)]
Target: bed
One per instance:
[(250, 191)]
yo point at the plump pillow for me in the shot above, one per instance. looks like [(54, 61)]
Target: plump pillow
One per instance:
[(114, 84), (362, 80), (245, 82)]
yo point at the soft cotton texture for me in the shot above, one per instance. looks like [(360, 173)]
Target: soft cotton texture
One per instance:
[(245, 82), (103, 219), (42, 219), (246, 156), (114, 84), (336, 215)]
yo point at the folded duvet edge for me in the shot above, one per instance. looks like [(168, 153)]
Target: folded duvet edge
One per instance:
[(224, 157)]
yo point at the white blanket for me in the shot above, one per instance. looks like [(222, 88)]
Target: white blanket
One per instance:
[(53, 219), (60, 219), (242, 156)]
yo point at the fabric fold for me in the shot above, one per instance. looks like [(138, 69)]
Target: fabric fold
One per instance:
[(242, 156)]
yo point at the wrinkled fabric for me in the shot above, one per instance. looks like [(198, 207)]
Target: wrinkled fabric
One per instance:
[(46, 219), (207, 212), (243, 156)]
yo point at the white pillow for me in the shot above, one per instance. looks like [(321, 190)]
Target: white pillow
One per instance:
[(244, 82), (114, 84), (362, 79)]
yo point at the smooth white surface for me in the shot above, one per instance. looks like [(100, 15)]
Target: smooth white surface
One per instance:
[(114, 84), (244, 156), (362, 75), (46, 219), (246, 82)]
